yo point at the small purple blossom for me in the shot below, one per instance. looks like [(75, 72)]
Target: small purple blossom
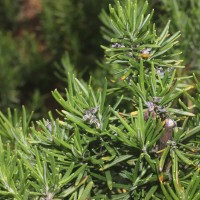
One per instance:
[(146, 51), (117, 45), (91, 118), (150, 106)]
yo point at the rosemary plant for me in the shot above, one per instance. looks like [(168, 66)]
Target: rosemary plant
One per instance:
[(136, 140)]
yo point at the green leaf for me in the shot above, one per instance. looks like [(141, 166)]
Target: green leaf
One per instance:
[(123, 137), (79, 122), (190, 133), (116, 161), (163, 158), (67, 179), (175, 176), (183, 158), (72, 189), (180, 112), (172, 192), (126, 125), (193, 185), (103, 96), (149, 194), (165, 192), (86, 191), (124, 196), (109, 179)]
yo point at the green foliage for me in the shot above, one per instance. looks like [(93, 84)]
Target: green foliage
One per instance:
[(35, 35), (137, 140), (184, 17), (133, 37), (8, 11), (8, 78), (15, 65)]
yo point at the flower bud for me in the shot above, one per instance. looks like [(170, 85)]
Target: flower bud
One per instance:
[(170, 123)]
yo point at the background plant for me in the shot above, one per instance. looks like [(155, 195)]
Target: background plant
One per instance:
[(35, 35), (184, 18)]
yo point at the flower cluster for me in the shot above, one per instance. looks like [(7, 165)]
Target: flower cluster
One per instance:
[(117, 45), (91, 118), (155, 109)]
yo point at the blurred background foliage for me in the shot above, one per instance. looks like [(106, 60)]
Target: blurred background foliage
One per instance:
[(184, 16), (36, 34)]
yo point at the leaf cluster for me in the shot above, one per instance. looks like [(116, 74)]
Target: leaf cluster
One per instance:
[(184, 17), (134, 37), (100, 149)]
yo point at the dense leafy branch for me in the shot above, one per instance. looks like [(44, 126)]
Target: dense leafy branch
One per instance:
[(98, 148)]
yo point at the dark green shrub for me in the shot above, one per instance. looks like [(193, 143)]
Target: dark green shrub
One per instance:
[(35, 35)]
